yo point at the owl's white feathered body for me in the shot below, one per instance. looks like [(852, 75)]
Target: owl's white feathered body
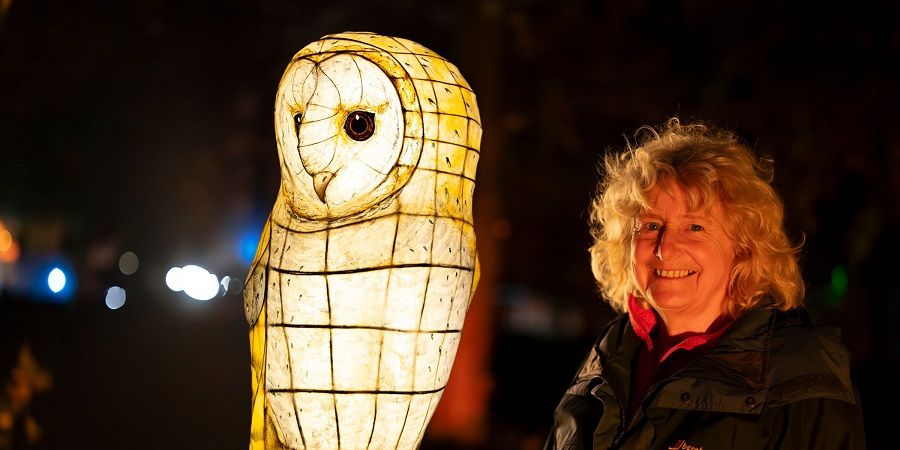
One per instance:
[(367, 264)]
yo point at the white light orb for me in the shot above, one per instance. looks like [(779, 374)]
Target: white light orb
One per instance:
[(115, 297), (175, 279), (198, 283), (202, 287), (56, 280)]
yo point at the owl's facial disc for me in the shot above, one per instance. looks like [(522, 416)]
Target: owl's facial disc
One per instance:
[(341, 130)]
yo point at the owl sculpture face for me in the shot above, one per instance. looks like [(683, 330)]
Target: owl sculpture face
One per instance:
[(340, 124), (367, 263)]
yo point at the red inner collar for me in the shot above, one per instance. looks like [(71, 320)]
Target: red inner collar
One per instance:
[(644, 321)]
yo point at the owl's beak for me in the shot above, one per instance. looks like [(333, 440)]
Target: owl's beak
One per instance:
[(320, 182)]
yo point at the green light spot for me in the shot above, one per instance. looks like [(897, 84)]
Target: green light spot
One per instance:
[(839, 280), (838, 285)]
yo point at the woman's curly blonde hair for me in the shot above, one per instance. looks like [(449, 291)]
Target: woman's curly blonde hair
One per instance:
[(709, 164)]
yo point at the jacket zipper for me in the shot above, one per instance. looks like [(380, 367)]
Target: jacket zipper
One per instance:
[(647, 395), (617, 440), (623, 427), (616, 393)]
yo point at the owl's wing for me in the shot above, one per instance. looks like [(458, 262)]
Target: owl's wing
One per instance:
[(255, 284)]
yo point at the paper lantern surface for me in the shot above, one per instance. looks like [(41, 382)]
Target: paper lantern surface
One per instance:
[(367, 264)]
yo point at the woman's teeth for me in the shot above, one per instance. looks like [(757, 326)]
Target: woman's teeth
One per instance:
[(673, 273)]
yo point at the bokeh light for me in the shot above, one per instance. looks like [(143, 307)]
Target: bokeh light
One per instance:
[(42, 278), (11, 254), (9, 249), (115, 297), (56, 280), (174, 279), (202, 287), (839, 281), (5, 239), (194, 280), (128, 263), (224, 282), (247, 245)]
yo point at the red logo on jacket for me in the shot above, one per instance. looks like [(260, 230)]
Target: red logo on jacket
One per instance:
[(682, 445)]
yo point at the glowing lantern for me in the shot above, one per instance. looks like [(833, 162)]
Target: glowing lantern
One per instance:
[(367, 263)]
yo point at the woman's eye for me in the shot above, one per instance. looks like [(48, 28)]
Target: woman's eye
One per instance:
[(695, 227), (652, 226)]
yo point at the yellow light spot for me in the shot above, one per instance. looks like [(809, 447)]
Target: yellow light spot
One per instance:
[(5, 240), (11, 254)]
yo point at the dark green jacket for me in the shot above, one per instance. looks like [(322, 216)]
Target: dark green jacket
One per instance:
[(774, 381)]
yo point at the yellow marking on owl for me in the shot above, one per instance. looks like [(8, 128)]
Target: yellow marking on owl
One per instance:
[(365, 269)]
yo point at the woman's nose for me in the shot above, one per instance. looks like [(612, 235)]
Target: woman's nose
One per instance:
[(666, 244)]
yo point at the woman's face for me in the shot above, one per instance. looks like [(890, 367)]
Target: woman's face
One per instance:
[(683, 257)]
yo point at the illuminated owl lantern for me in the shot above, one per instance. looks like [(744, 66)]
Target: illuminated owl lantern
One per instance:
[(367, 263)]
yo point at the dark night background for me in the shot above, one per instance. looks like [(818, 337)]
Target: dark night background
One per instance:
[(147, 126)]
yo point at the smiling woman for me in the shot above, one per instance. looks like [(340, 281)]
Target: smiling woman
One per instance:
[(681, 259), (713, 348), (703, 174)]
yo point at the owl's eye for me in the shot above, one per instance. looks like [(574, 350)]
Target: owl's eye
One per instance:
[(297, 118), (360, 125)]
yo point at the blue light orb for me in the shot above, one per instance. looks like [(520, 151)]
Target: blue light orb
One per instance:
[(247, 245)]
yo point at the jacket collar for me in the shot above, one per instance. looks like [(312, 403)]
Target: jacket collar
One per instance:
[(740, 356), (744, 359)]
